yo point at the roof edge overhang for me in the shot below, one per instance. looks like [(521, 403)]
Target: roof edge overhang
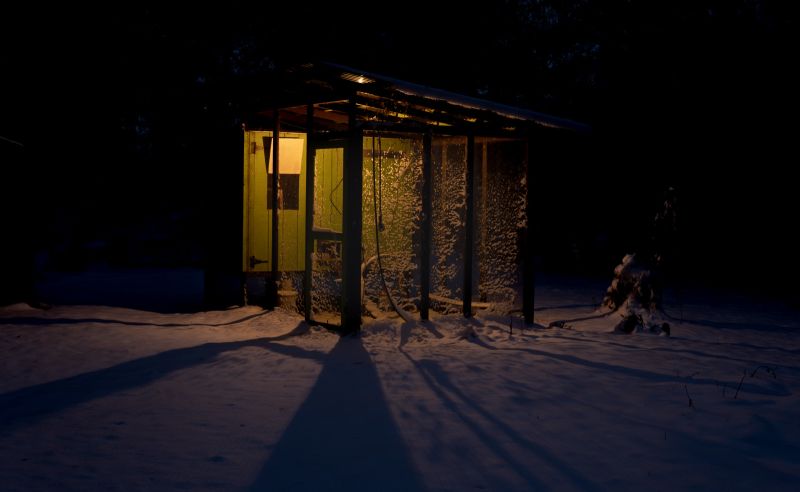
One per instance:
[(394, 102), (466, 102)]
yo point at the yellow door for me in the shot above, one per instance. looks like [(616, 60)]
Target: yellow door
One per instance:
[(257, 202)]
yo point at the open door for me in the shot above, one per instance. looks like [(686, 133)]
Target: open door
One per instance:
[(325, 228)]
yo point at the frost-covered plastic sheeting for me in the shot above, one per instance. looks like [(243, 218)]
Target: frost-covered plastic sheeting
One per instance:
[(449, 205), (392, 205), (326, 281), (394, 202), (499, 222)]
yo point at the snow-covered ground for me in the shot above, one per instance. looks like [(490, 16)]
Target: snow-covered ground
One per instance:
[(102, 398)]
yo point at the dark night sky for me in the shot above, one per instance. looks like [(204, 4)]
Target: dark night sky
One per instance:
[(129, 116)]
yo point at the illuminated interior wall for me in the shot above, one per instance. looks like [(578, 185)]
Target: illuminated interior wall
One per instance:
[(398, 195), (257, 208)]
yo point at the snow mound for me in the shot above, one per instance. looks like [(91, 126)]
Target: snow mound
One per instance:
[(16, 309)]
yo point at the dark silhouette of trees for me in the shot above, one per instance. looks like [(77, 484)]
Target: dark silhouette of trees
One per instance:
[(147, 100)]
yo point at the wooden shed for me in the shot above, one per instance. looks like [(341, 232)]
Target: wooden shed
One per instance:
[(391, 195)]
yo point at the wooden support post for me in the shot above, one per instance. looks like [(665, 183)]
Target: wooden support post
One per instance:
[(276, 139), (527, 253), (351, 244), (469, 239), (425, 247), (310, 157)]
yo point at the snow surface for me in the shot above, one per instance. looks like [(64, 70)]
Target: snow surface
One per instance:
[(103, 398)]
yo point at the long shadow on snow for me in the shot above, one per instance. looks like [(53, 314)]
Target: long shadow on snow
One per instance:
[(726, 325), (343, 436), (640, 348), (31, 320), (749, 346), (751, 473), (440, 384), (405, 330), (27, 405), (640, 373)]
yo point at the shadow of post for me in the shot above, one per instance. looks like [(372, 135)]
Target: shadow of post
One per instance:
[(492, 437), (26, 406), (343, 436)]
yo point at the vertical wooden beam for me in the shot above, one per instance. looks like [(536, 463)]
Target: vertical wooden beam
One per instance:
[(351, 244), (276, 138), (468, 242), (425, 247), (484, 190), (310, 157), (481, 224), (527, 243)]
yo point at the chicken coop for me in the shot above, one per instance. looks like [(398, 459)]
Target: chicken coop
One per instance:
[(364, 195)]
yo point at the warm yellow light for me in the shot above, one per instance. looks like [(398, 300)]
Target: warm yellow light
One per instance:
[(358, 79)]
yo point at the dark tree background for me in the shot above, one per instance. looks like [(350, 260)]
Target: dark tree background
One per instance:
[(129, 122)]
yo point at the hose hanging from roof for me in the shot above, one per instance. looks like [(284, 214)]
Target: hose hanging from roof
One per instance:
[(380, 183), (379, 227)]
